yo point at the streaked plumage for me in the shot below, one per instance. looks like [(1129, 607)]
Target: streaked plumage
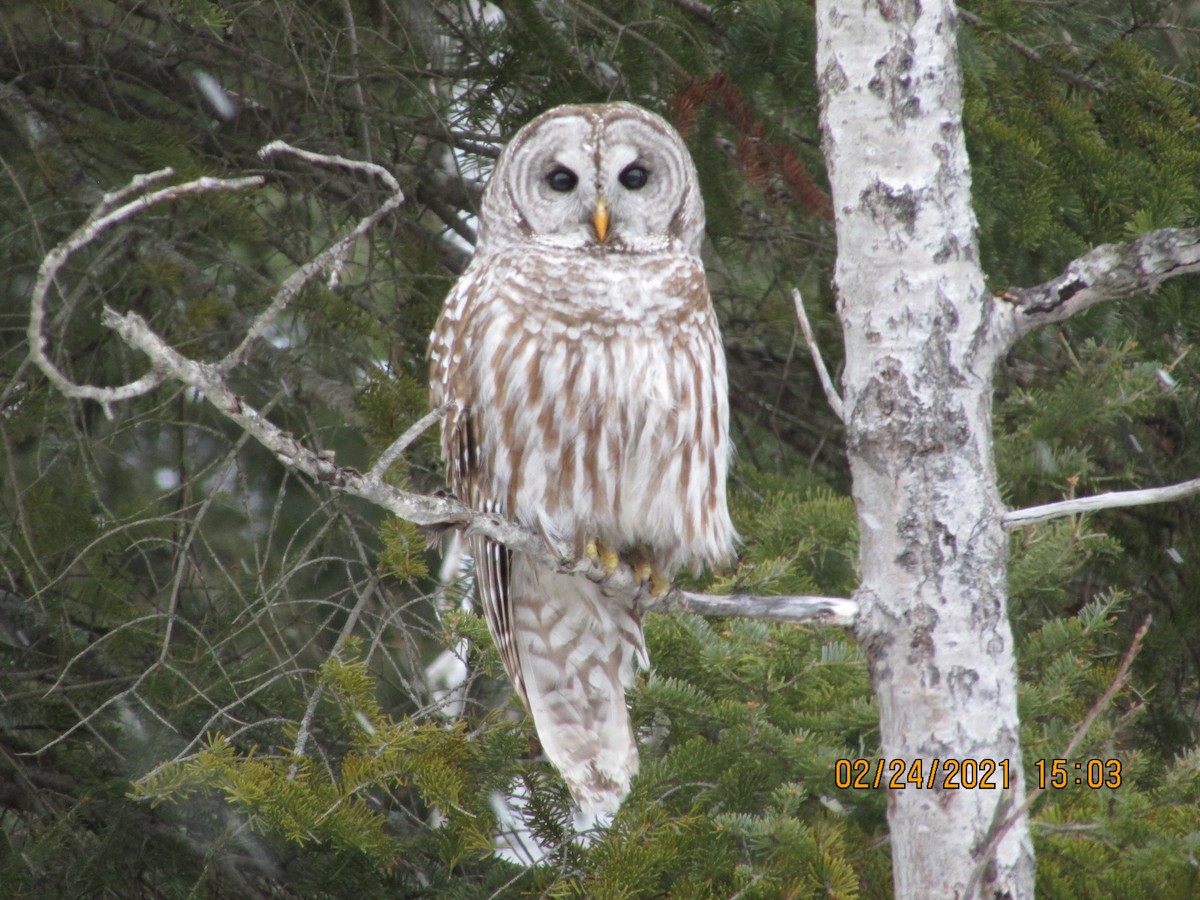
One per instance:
[(588, 401)]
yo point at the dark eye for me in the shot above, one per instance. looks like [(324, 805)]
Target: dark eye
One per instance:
[(634, 177), (562, 180)]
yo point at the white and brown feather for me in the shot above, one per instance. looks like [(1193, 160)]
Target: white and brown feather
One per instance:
[(588, 400)]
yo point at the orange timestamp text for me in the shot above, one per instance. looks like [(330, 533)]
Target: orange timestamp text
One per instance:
[(898, 774), (971, 774)]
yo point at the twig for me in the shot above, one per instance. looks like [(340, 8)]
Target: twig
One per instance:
[(331, 258), (302, 730), (1110, 500), (1118, 682), (402, 443), (831, 393)]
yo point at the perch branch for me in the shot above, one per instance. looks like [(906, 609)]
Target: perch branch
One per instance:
[(831, 393), (209, 380), (1108, 272), (426, 510), (1110, 500)]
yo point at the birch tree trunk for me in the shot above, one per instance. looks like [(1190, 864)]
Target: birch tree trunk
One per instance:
[(921, 345)]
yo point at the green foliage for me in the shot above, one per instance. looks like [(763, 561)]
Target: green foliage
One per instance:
[(297, 797)]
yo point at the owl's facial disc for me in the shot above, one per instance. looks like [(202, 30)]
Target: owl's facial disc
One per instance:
[(610, 177)]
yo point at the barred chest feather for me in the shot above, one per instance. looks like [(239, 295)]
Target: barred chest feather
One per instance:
[(599, 396)]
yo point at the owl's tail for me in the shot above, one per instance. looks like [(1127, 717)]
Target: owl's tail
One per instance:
[(578, 649)]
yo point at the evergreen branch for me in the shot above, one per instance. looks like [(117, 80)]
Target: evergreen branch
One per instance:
[(697, 9), (831, 393), (630, 29), (1030, 54), (1000, 826), (1110, 500), (1108, 272)]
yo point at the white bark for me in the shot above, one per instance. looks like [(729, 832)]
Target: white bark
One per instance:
[(921, 347)]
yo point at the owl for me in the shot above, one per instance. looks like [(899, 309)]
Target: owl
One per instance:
[(587, 400)]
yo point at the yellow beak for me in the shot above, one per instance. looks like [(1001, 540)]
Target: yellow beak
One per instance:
[(600, 219)]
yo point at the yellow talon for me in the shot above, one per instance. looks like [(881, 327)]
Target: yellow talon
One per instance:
[(601, 556), (646, 574)]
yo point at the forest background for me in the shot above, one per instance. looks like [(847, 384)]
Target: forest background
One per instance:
[(214, 672)]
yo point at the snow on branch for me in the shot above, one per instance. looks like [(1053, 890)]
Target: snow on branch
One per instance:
[(209, 380), (1108, 272), (1110, 500)]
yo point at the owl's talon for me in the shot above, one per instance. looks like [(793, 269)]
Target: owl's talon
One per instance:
[(601, 556), (657, 583)]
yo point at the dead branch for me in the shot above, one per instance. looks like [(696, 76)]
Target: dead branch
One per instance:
[(1107, 272), (831, 392), (209, 381), (1018, 518)]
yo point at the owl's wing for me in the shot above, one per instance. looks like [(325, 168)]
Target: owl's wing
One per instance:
[(493, 561)]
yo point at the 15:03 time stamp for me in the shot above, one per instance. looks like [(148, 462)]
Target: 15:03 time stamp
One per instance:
[(1093, 773), (971, 774)]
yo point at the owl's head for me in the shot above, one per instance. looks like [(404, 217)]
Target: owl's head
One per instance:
[(611, 177)]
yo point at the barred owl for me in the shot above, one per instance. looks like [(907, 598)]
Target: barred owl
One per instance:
[(583, 367)]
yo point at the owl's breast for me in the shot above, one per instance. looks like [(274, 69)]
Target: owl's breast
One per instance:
[(603, 408)]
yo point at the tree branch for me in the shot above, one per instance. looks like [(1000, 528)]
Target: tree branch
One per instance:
[(831, 393), (1030, 54), (1110, 500), (1108, 272), (330, 259), (209, 380)]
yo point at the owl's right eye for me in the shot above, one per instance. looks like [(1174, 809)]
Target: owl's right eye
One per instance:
[(562, 180)]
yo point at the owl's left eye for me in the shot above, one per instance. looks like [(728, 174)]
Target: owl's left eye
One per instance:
[(634, 177)]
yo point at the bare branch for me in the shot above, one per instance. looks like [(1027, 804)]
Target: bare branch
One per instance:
[(1110, 500), (330, 259), (824, 610), (107, 214), (831, 392), (1108, 272), (402, 443)]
